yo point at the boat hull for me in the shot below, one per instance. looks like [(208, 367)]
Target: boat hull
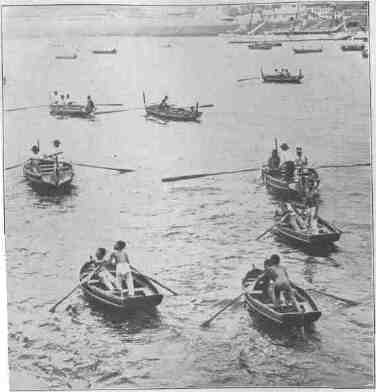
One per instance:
[(113, 303), (304, 51), (282, 80), (256, 304), (57, 180), (70, 111), (174, 114), (352, 48), (279, 187)]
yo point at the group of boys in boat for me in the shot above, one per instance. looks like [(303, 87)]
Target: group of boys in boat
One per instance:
[(275, 283), (53, 156), (291, 167), (65, 100), (284, 72), (123, 273)]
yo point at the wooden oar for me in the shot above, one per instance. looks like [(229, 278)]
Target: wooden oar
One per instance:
[(103, 167), (26, 108), (52, 310), (344, 165), (118, 111), (207, 322), (109, 104), (271, 227), (243, 79), (155, 281), (14, 166), (191, 176), (349, 301)]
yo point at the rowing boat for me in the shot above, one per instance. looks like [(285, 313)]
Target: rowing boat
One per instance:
[(324, 235), (352, 47), (307, 50), (293, 188), (69, 110), (260, 45), (257, 301), (173, 113), (146, 295), (66, 57), (113, 51), (45, 174), (282, 78)]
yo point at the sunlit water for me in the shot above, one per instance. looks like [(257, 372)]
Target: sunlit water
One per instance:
[(198, 236)]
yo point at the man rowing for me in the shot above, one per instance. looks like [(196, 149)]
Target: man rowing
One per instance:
[(163, 104), (90, 107), (278, 282), (287, 162)]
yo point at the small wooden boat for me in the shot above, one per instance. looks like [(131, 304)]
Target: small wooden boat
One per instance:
[(113, 51), (324, 235), (352, 47), (307, 50), (48, 173), (146, 295), (282, 78), (290, 189), (173, 113), (258, 302), (70, 110), (260, 45), (73, 57)]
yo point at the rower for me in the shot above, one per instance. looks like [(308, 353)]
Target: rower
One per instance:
[(163, 104), (123, 269), (104, 274), (311, 200), (279, 282), (54, 98), (90, 107), (68, 99), (274, 161), (300, 161), (62, 99), (287, 161)]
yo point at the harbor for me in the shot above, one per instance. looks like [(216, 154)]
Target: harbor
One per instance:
[(197, 235)]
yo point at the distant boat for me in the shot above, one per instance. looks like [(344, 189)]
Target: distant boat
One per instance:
[(353, 47), (67, 57), (280, 77), (307, 50), (365, 53), (70, 110), (113, 51), (260, 45)]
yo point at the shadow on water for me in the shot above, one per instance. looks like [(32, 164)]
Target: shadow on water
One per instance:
[(44, 197)]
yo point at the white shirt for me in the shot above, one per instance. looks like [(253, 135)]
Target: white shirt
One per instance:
[(286, 156)]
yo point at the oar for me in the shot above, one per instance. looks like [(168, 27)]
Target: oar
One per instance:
[(118, 111), (109, 104), (253, 78), (26, 108), (52, 310), (344, 165), (155, 281), (207, 322), (191, 176), (271, 227), (103, 167), (349, 301), (14, 166)]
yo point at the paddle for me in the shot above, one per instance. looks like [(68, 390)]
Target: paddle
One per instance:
[(243, 79), (14, 166), (349, 301), (109, 104), (155, 281), (103, 167), (191, 176), (52, 310), (26, 108), (276, 223), (344, 165), (207, 322)]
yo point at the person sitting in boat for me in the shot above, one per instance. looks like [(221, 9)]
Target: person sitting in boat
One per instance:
[(56, 152), (62, 99), (279, 282), (300, 161), (163, 104), (54, 98), (104, 274), (292, 217), (287, 162), (68, 99), (123, 270), (90, 107), (274, 161), (311, 200)]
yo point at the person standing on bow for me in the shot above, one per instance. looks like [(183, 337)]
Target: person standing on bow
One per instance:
[(311, 200), (123, 269), (287, 162)]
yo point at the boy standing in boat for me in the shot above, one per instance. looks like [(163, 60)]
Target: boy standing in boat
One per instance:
[(90, 107), (287, 161), (104, 275), (123, 270), (279, 282)]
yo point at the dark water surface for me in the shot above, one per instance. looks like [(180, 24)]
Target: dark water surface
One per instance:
[(198, 237)]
